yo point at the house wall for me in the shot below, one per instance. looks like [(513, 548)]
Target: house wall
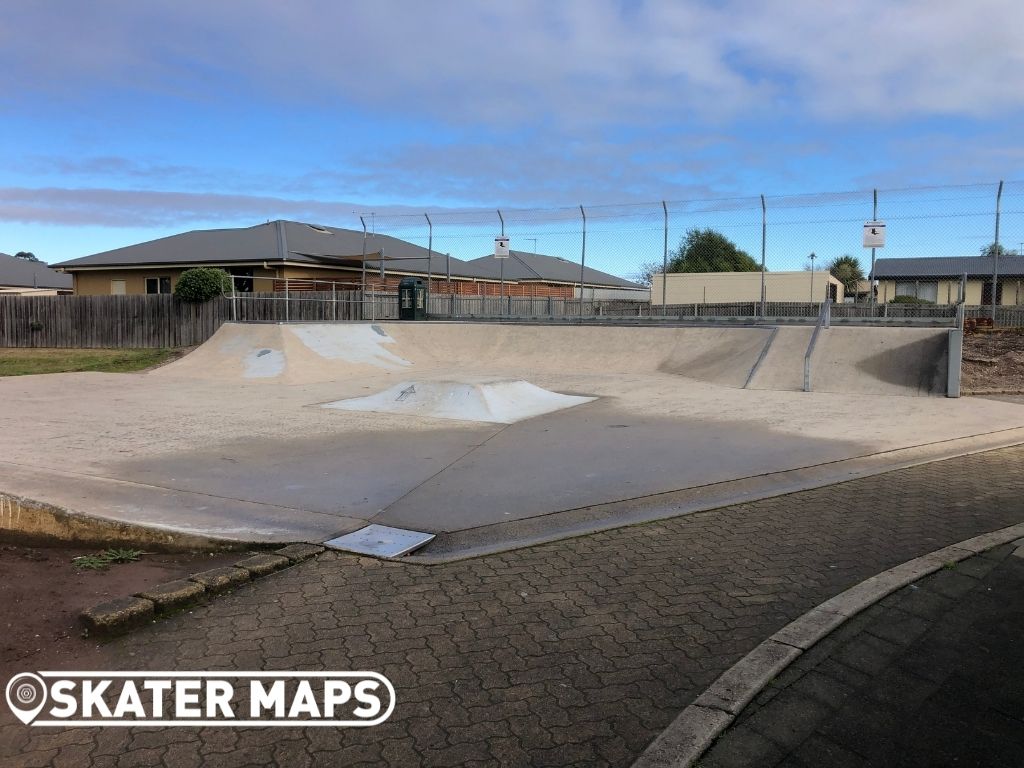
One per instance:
[(728, 287), (948, 290), (596, 293), (471, 287), (98, 283), (16, 290)]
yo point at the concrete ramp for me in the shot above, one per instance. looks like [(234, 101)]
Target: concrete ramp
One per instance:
[(782, 368), (311, 353), (858, 360), (881, 361)]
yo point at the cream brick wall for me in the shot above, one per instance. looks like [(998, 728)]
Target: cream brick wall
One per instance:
[(726, 287)]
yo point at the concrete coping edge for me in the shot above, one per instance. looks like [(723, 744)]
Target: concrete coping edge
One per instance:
[(693, 731)]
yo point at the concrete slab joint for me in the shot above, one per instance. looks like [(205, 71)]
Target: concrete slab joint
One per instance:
[(261, 565), (731, 692), (296, 553), (220, 579), (173, 594)]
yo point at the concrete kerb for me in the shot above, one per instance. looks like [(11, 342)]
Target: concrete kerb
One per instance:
[(122, 614), (584, 521), (30, 521), (694, 730)]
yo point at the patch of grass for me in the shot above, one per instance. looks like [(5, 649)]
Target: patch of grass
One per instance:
[(123, 555), (24, 362), (106, 558), (91, 562)]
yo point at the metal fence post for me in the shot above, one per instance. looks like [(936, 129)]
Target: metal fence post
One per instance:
[(995, 255), (664, 264), (583, 258), (764, 236), (430, 259), (234, 304), (286, 310), (362, 284), (501, 287), (871, 275)]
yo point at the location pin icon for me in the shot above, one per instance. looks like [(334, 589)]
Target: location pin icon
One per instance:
[(26, 696)]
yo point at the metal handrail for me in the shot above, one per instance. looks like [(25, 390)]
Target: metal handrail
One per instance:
[(824, 321)]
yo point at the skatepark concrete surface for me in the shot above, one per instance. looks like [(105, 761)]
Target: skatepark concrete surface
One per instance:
[(233, 442)]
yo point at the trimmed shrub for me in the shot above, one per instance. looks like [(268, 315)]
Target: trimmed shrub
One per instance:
[(909, 300), (202, 284)]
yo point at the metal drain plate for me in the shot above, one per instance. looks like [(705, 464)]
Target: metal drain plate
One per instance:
[(381, 541)]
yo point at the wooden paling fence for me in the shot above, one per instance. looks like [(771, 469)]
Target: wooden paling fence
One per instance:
[(163, 321)]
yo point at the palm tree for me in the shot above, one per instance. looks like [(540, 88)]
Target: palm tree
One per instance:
[(846, 269)]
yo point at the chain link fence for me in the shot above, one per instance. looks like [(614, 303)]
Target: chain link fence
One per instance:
[(760, 256)]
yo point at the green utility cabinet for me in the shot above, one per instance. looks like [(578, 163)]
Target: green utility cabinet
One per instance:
[(412, 299)]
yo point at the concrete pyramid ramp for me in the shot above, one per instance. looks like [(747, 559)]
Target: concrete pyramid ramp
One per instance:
[(500, 402)]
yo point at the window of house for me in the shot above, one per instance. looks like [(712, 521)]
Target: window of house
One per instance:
[(986, 292), (158, 285), (242, 278), (922, 289), (117, 288)]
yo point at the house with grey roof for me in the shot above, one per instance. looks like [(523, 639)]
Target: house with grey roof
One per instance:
[(530, 271), (938, 279), (265, 257), (31, 278)]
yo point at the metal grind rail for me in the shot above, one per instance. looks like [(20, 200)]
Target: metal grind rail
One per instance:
[(824, 321)]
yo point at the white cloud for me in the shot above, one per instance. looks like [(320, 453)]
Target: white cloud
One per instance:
[(573, 64)]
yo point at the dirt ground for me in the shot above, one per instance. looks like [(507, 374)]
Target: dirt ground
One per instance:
[(994, 362), (42, 593)]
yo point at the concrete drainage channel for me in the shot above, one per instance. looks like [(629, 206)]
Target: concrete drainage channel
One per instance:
[(124, 613)]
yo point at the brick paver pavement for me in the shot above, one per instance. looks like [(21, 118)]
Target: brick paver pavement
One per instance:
[(573, 653), (930, 676)]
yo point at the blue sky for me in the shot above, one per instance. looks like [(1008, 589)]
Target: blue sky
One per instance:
[(124, 121)]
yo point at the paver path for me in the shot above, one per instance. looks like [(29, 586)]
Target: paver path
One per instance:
[(573, 653), (931, 676)]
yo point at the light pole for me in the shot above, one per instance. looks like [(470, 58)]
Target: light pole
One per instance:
[(813, 257)]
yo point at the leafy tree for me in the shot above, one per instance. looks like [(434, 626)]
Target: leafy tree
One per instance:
[(202, 284), (846, 269), (992, 249), (705, 250), (27, 256)]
